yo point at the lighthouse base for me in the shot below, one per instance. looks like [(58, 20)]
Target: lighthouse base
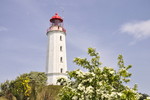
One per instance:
[(53, 77)]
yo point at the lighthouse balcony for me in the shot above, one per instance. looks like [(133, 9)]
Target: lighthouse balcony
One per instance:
[(56, 28)]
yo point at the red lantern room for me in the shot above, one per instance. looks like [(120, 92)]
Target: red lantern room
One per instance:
[(56, 18), (56, 23)]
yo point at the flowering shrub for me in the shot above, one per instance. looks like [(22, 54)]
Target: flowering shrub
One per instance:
[(98, 83)]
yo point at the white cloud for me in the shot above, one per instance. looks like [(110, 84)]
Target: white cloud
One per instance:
[(3, 28), (139, 29)]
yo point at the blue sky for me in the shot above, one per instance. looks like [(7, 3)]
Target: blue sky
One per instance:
[(113, 27)]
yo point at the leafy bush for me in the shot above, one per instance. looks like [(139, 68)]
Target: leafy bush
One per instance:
[(98, 83)]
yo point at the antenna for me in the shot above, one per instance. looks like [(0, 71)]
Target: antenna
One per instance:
[(62, 11)]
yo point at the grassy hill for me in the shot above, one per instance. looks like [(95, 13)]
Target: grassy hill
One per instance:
[(47, 93), (3, 98)]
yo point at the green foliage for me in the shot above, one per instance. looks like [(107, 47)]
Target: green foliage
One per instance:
[(98, 83), (6, 90), (144, 96), (25, 86), (37, 82), (20, 87)]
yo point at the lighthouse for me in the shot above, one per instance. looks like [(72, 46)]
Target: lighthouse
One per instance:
[(56, 65)]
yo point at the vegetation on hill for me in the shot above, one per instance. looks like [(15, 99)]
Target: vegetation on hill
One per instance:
[(49, 92), (24, 86), (98, 83)]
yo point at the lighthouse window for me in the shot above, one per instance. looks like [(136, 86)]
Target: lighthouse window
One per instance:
[(61, 59), (60, 48), (61, 70), (60, 38)]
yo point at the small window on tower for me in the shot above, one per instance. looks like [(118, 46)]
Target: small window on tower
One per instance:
[(61, 70), (60, 48), (61, 59), (60, 38)]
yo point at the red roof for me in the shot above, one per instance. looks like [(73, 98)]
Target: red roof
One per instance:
[(56, 17)]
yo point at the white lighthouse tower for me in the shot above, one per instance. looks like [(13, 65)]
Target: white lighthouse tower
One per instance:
[(56, 66)]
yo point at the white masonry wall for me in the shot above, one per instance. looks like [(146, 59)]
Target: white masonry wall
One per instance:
[(56, 56)]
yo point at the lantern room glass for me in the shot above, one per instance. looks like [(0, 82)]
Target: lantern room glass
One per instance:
[(56, 22)]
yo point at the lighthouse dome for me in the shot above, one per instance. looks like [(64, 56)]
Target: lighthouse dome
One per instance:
[(56, 17)]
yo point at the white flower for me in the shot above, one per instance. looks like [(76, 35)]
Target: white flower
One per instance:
[(80, 73), (100, 83), (89, 89), (93, 74), (74, 98), (113, 94), (120, 94), (81, 87), (148, 98), (90, 80), (112, 71), (87, 73)]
